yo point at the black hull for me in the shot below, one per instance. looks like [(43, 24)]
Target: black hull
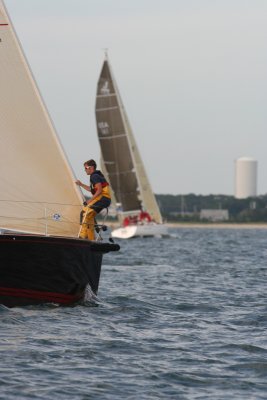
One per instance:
[(41, 269)]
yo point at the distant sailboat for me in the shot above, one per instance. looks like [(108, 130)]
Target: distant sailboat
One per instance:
[(139, 213), (41, 257)]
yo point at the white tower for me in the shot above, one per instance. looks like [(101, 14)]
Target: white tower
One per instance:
[(245, 178)]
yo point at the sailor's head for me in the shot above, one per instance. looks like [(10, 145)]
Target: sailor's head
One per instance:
[(89, 166)]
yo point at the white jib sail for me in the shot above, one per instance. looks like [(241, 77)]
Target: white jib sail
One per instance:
[(37, 189)]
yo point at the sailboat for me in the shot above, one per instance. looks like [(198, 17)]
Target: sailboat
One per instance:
[(138, 211), (42, 260)]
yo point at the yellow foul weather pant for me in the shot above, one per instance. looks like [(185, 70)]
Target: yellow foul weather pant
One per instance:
[(87, 230)]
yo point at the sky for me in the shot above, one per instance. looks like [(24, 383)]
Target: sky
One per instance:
[(192, 75)]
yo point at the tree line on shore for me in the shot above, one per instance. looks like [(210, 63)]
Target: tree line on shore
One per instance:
[(187, 208)]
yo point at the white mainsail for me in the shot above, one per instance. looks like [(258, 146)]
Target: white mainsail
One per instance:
[(125, 169), (37, 189)]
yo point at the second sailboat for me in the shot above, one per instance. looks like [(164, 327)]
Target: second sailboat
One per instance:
[(138, 211)]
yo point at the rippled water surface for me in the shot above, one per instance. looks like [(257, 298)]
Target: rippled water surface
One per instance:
[(178, 318)]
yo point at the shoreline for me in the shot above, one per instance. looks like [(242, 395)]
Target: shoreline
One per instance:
[(217, 225)]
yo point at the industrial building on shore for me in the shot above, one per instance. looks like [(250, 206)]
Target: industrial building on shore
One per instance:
[(245, 177)]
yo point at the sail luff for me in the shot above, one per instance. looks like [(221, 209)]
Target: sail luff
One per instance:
[(148, 199)]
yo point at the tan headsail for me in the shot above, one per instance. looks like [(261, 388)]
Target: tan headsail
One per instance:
[(37, 189), (120, 153), (148, 199)]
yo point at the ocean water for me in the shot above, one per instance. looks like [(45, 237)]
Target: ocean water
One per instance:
[(178, 318)]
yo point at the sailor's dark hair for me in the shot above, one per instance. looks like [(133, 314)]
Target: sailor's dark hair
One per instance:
[(90, 163)]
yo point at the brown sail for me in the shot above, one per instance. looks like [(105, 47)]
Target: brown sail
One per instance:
[(120, 154), (115, 148)]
